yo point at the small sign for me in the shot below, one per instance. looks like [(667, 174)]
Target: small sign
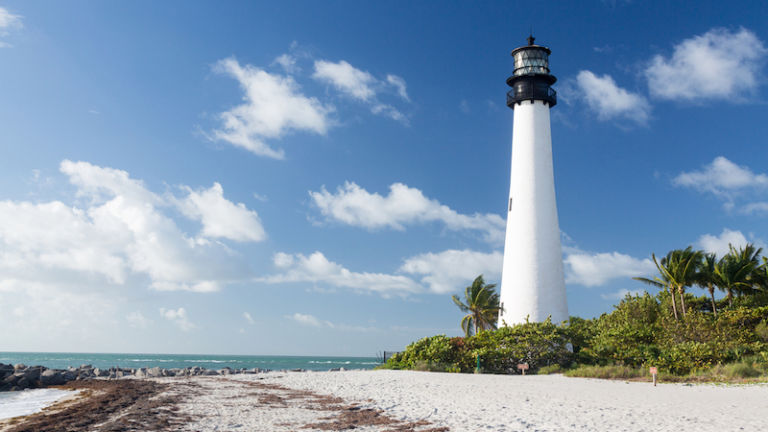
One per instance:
[(654, 371), (522, 367)]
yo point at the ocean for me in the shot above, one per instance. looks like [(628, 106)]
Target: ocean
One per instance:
[(168, 361)]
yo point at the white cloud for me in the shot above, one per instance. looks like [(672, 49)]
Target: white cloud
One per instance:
[(716, 65), (721, 177), (399, 84), (451, 270), (346, 78), (178, 317), (288, 63), (597, 269), (249, 318), (389, 111), (316, 268), (610, 101), (273, 106), (720, 244), (355, 206), (362, 86), (120, 237), (8, 20), (137, 319), (309, 320), (756, 208), (222, 218), (312, 321), (620, 294)]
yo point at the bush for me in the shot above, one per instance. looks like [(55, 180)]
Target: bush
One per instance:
[(551, 369), (638, 333), (538, 344), (741, 370), (612, 372)]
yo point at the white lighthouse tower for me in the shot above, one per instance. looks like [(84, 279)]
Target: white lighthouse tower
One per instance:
[(532, 283)]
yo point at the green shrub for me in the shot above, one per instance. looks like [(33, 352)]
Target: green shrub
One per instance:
[(741, 370), (551, 369), (640, 332), (762, 331), (610, 371), (538, 344)]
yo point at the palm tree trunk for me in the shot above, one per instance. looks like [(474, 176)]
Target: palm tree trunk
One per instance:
[(681, 290), (712, 296), (730, 297), (674, 304)]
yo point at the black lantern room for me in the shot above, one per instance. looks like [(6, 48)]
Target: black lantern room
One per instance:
[(531, 79)]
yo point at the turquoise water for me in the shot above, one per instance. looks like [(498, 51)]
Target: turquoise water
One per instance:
[(64, 360)]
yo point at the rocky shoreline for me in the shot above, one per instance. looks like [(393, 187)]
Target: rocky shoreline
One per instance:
[(21, 377)]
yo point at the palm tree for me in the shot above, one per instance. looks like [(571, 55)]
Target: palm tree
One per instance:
[(706, 277), (736, 271), (661, 282), (678, 271), (482, 306)]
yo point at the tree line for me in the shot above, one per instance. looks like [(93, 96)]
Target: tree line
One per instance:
[(739, 272)]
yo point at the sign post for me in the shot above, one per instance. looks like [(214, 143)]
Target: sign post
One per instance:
[(522, 367), (654, 371)]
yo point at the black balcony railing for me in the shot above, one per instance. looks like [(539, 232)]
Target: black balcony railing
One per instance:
[(529, 92)]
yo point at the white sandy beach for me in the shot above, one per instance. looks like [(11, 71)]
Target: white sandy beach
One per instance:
[(465, 402)]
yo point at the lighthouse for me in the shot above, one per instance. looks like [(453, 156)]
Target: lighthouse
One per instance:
[(532, 283)]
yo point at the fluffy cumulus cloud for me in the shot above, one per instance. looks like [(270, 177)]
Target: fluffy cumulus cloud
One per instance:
[(721, 177), (362, 86), (404, 205), (721, 244), (597, 269), (118, 236), (719, 64), (317, 269), (448, 271), (610, 101), (273, 106), (738, 186), (220, 217), (178, 317)]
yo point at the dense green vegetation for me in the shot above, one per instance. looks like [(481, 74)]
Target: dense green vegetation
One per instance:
[(685, 336)]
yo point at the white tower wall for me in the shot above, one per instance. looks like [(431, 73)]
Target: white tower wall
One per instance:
[(532, 283)]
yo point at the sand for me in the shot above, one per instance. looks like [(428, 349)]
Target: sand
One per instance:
[(396, 401), (465, 402)]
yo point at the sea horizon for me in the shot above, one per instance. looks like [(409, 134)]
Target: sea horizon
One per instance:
[(63, 360)]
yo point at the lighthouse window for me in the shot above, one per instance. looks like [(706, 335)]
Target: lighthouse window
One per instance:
[(531, 61)]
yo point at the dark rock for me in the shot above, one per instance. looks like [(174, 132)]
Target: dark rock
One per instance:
[(52, 377)]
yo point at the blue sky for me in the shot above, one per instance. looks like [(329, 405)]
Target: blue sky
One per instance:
[(320, 178)]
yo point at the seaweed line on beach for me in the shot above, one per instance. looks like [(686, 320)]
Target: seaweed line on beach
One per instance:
[(114, 406), (345, 416)]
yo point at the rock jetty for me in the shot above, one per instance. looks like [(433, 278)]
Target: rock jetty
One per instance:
[(20, 377)]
